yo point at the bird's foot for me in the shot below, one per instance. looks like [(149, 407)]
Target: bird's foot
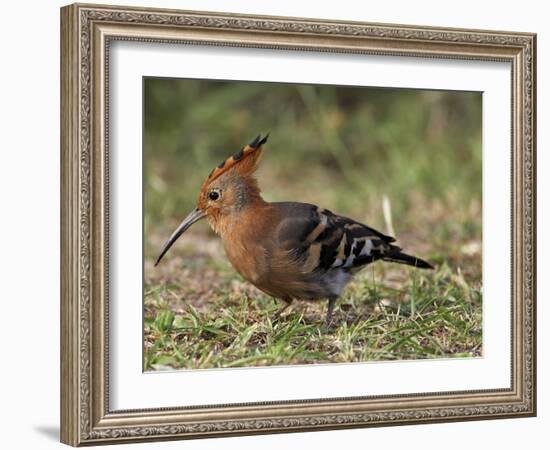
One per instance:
[(328, 320), (326, 326), (278, 314)]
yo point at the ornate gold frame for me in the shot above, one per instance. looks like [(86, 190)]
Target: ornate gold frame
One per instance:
[(86, 31)]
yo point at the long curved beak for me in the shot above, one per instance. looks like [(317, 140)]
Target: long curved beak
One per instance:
[(194, 216)]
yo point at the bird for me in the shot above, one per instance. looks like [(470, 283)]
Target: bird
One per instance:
[(288, 250)]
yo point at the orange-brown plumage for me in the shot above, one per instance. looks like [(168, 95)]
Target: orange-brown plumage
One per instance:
[(288, 250)]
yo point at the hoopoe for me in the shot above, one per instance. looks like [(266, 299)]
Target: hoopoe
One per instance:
[(289, 250)]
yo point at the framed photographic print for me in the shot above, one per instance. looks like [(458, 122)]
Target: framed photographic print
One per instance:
[(276, 224)]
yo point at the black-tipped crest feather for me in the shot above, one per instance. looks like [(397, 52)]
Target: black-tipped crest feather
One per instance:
[(234, 159), (258, 140)]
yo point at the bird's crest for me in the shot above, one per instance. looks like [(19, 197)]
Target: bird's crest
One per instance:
[(244, 161)]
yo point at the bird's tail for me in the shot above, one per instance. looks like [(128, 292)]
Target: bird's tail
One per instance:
[(403, 258)]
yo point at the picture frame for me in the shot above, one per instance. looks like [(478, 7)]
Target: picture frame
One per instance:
[(87, 32)]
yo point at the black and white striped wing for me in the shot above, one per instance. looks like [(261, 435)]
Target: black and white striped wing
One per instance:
[(323, 240)]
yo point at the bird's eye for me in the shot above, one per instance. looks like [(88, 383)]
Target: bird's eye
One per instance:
[(214, 195)]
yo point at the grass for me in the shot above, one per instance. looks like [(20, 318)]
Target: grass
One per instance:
[(433, 318), (345, 149)]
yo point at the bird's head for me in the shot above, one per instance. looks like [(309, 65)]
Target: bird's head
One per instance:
[(228, 189)]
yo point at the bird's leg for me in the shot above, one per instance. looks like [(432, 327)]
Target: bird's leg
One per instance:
[(280, 311), (331, 303)]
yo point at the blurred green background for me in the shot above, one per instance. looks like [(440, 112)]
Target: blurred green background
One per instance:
[(343, 148)]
